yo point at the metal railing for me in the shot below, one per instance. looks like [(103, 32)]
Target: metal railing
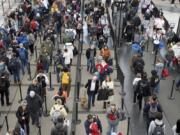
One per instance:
[(120, 74), (10, 3)]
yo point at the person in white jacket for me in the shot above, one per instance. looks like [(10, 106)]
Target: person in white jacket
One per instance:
[(157, 122), (135, 82), (109, 85), (176, 128)]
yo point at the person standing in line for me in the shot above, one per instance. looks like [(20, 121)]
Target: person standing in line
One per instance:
[(23, 117), (34, 107), (92, 87), (90, 55), (87, 124), (176, 128), (157, 126), (112, 118), (4, 89)]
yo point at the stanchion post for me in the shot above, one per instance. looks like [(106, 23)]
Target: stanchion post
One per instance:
[(35, 52), (155, 57), (45, 103), (29, 71), (50, 82), (2, 4), (7, 124), (20, 92), (39, 130), (78, 121), (78, 90), (128, 126), (122, 103), (171, 97)]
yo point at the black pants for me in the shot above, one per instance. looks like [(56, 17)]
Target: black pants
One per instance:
[(6, 93), (31, 48)]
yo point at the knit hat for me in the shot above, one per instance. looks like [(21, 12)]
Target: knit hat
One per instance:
[(32, 94)]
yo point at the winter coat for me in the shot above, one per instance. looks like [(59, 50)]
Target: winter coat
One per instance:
[(59, 129), (174, 130), (87, 125), (153, 124), (4, 85), (36, 88), (112, 117), (34, 104), (88, 86), (88, 53), (20, 113)]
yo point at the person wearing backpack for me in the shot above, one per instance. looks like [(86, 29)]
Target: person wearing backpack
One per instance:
[(155, 82), (59, 64), (176, 128), (4, 89), (143, 90), (157, 126), (66, 80), (151, 108), (23, 55), (15, 67)]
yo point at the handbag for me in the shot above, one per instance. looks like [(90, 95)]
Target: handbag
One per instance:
[(110, 92), (102, 94), (165, 72)]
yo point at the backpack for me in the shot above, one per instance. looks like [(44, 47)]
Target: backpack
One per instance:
[(65, 78), (22, 54), (94, 128), (158, 130), (152, 111), (14, 64), (57, 111)]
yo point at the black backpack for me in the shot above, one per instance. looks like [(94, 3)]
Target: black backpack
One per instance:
[(158, 130), (14, 64)]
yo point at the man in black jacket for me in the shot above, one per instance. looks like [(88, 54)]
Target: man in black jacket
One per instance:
[(92, 88), (143, 90), (34, 103), (4, 89), (90, 54)]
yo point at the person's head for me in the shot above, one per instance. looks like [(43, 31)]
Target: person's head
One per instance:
[(113, 107), (138, 75), (34, 82), (92, 46), (144, 75), (59, 51), (108, 78), (154, 99), (90, 118), (32, 94), (105, 47), (65, 50), (153, 72), (94, 78), (24, 104), (178, 126), (159, 116)]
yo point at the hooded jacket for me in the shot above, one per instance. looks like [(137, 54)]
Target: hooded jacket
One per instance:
[(153, 124), (59, 129)]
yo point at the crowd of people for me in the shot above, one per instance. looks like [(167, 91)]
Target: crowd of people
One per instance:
[(56, 20)]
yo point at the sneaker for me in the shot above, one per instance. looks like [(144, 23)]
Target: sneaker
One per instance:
[(172, 5)]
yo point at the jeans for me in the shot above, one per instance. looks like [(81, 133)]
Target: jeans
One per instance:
[(90, 65), (91, 99), (23, 64), (178, 83), (6, 93), (16, 75), (157, 88), (112, 127)]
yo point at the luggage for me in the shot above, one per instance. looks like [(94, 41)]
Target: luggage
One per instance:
[(84, 102), (165, 73), (65, 78)]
